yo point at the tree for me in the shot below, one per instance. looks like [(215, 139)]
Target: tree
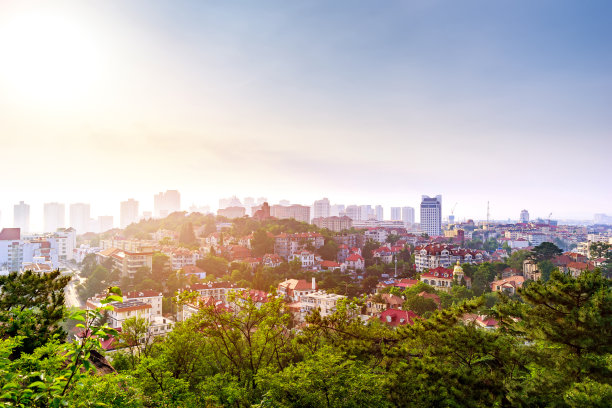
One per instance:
[(368, 284), (329, 251), (517, 258), (213, 265), (367, 254), (544, 251), (160, 267), (569, 320), (598, 249), (327, 378), (32, 306), (420, 305), (136, 337), (262, 243), (186, 235), (546, 267)]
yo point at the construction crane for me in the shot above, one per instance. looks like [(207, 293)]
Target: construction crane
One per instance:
[(549, 215), (451, 218)]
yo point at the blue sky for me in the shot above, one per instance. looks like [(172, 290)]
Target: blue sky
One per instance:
[(362, 102)]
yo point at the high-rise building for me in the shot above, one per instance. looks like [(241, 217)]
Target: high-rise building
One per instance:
[(21, 217), (396, 213), (54, 216), (337, 210), (354, 212), (431, 215), (379, 213), (366, 212), (321, 208), (79, 217), (105, 223), (524, 216), (297, 212), (408, 215), (229, 202), (128, 212), (166, 203)]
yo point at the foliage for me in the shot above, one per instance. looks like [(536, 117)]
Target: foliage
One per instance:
[(599, 249), (186, 234), (213, 265), (261, 243), (31, 308), (544, 251)]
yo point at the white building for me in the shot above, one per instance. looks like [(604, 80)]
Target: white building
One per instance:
[(166, 203), (321, 208), (79, 217), (354, 212), (337, 210), (21, 217), (306, 258), (408, 215), (380, 213), (148, 296), (128, 212), (524, 218), (431, 215), (105, 223), (54, 216), (396, 213)]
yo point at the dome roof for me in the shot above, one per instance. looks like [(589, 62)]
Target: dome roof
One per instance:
[(457, 268)]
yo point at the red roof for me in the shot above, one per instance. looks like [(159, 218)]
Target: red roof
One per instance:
[(330, 264), (141, 294), (189, 269), (10, 234), (354, 258), (396, 317)]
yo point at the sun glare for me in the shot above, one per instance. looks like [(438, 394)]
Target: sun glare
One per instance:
[(48, 58)]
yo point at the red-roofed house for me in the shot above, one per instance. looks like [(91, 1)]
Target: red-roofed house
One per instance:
[(440, 278), (355, 261), (396, 317), (293, 289), (508, 285)]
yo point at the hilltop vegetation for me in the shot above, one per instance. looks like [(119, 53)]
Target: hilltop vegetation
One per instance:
[(553, 348)]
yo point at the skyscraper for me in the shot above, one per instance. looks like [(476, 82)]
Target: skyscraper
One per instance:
[(354, 212), (408, 215), (366, 212), (524, 216), (105, 223), (336, 210), (379, 213), (21, 217), (79, 217), (431, 215), (54, 216), (396, 213), (166, 203), (321, 208), (128, 212)]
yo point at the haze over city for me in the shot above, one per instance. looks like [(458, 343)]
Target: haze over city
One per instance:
[(500, 102)]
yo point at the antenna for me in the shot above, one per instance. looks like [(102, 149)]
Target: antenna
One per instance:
[(488, 214)]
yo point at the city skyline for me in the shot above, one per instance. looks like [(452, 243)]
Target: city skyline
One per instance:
[(37, 221), (351, 99)]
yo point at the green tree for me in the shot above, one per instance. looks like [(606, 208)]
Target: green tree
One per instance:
[(160, 267), (598, 249), (544, 251), (569, 321), (186, 235), (213, 265), (32, 307), (327, 378), (420, 305), (517, 258), (329, 251), (546, 267), (262, 243)]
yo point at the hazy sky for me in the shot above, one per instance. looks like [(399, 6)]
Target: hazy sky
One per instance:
[(361, 102)]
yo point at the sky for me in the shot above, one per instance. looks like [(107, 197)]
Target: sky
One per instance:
[(363, 102)]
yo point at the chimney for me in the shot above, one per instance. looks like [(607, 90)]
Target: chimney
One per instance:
[(314, 284)]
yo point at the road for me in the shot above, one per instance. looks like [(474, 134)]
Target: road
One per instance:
[(71, 297)]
